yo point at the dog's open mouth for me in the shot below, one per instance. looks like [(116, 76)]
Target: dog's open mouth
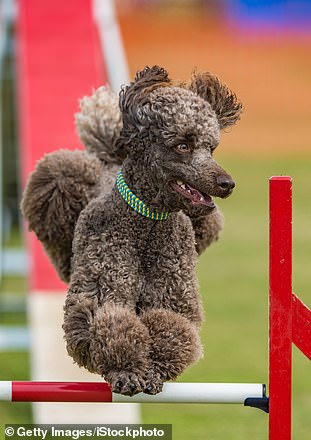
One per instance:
[(195, 196)]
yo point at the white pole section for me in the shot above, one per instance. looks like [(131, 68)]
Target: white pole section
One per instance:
[(199, 393), (6, 390)]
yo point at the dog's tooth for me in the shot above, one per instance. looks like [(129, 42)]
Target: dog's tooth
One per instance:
[(181, 184)]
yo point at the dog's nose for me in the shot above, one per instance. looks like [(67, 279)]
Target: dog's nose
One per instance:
[(226, 183)]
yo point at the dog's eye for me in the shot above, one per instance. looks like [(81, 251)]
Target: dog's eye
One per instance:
[(183, 148)]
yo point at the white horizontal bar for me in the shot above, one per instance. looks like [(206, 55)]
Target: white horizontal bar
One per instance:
[(101, 392), (198, 393)]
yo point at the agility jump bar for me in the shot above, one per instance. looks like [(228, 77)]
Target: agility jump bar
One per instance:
[(15, 391)]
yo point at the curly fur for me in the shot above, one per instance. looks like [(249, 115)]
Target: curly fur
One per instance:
[(222, 100), (133, 310), (99, 124), (62, 184)]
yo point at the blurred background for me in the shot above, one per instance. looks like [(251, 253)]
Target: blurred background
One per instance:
[(262, 50)]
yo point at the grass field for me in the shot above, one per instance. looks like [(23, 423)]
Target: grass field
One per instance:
[(233, 277)]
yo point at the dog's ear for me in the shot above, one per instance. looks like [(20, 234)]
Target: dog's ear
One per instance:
[(135, 115), (223, 101), (150, 76), (145, 81)]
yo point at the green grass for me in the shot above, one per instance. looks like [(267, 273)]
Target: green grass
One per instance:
[(14, 365), (233, 277)]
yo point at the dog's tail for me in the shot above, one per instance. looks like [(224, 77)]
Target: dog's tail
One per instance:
[(59, 188), (99, 124)]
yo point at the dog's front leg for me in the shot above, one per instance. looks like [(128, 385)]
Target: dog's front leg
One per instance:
[(174, 345), (119, 348), (109, 340), (102, 330)]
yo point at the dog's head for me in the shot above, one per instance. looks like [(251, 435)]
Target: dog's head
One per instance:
[(175, 128)]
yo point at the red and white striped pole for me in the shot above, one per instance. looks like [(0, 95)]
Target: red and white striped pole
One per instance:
[(101, 392)]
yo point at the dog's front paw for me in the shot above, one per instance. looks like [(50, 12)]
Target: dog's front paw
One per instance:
[(154, 383), (124, 382)]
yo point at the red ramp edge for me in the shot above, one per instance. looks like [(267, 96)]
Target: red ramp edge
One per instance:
[(59, 60)]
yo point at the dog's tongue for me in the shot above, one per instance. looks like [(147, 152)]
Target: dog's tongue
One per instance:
[(201, 198), (196, 193)]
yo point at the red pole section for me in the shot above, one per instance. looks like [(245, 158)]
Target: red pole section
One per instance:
[(280, 298), (61, 391)]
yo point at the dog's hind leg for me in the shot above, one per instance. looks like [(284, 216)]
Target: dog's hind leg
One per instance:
[(175, 344)]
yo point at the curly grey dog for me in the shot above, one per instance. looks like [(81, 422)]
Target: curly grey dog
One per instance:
[(129, 249)]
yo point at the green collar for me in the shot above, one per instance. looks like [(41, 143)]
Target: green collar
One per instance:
[(137, 204)]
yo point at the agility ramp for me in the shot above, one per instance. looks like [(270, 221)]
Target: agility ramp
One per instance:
[(59, 60)]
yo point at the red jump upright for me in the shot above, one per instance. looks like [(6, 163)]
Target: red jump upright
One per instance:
[(290, 319)]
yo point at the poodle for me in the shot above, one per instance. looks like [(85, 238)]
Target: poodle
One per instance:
[(124, 221)]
